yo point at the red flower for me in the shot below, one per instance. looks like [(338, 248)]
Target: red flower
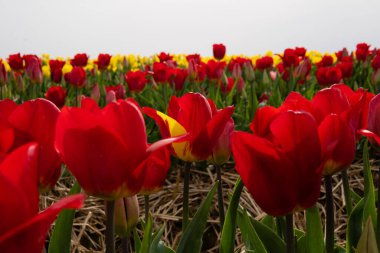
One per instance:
[(19, 203), (197, 116), (160, 72), (193, 57), (282, 71), (328, 75), (342, 54), (77, 77), (326, 61), (57, 95), (362, 51), (3, 74), (56, 70), (215, 69), (118, 89), (376, 62), (105, 149), (300, 51), (16, 62), (179, 79), (290, 58), (80, 60), (164, 57), (136, 80), (7, 135), (33, 68), (289, 160), (103, 61), (35, 120), (265, 62), (238, 62), (346, 67), (219, 51)]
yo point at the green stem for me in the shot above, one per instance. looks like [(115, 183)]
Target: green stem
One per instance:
[(378, 209), (290, 246), (125, 244), (329, 215), (220, 195), (347, 192), (110, 226), (185, 213), (146, 206)]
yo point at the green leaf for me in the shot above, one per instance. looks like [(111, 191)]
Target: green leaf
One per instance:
[(369, 189), (354, 226), (269, 221), (302, 245), (145, 245), (367, 242), (162, 248), (250, 237), (191, 240), (227, 240), (136, 240), (314, 231), (272, 242), (61, 238)]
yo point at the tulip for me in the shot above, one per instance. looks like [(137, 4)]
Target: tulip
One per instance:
[(136, 80), (362, 51), (118, 89), (77, 77), (290, 58), (79, 60), (195, 115), (19, 203), (265, 62), (33, 68), (160, 72), (164, 57), (3, 75), (57, 95), (103, 61), (41, 129), (179, 79), (105, 149), (215, 70), (288, 159), (300, 51), (16, 62), (56, 67), (126, 215), (219, 51)]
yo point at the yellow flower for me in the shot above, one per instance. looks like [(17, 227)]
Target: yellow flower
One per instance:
[(67, 68), (46, 70)]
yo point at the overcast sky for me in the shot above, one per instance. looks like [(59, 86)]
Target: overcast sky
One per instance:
[(63, 28)]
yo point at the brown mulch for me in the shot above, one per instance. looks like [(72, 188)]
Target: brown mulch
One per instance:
[(166, 208)]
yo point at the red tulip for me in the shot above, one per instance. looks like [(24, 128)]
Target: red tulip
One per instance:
[(160, 72), (289, 160), (215, 69), (194, 57), (16, 62), (35, 120), (376, 62), (374, 115), (19, 203), (57, 95), (77, 77), (265, 62), (328, 75), (192, 114), (219, 51), (105, 148), (300, 51), (342, 54), (362, 51), (118, 89), (346, 67), (3, 74), (326, 61), (136, 80), (164, 57), (33, 68), (79, 60), (290, 58), (179, 79), (56, 70), (103, 61)]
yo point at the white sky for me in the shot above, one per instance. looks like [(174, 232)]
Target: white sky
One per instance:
[(66, 27)]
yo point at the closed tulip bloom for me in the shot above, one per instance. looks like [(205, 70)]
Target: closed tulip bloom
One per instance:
[(33, 68), (16, 62), (179, 79), (79, 60), (103, 61), (3, 74), (193, 114), (105, 148), (35, 120), (57, 95), (160, 72), (77, 77), (126, 215), (136, 80), (362, 51), (265, 62), (374, 115), (56, 67), (19, 203), (219, 51), (164, 57), (283, 171)]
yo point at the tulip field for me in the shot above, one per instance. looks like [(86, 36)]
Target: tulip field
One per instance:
[(272, 153)]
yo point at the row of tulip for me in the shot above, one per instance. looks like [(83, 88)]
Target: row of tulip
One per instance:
[(103, 143)]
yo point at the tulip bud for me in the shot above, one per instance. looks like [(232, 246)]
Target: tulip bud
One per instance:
[(248, 71), (3, 74), (126, 215), (222, 150), (95, 93), (33, 68), (110, 97), (19, 82), (219, 51)]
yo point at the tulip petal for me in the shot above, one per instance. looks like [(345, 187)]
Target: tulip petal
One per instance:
[(204, 142), (32, 233), (373, 115), (296, 102), (263, 117), (267, 173), (337, 142), (370, 134)]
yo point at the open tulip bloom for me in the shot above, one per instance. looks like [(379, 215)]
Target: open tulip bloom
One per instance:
[(193, 114), (106, 149)]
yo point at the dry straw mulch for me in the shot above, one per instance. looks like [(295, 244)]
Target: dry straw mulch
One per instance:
[(166, 208)]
